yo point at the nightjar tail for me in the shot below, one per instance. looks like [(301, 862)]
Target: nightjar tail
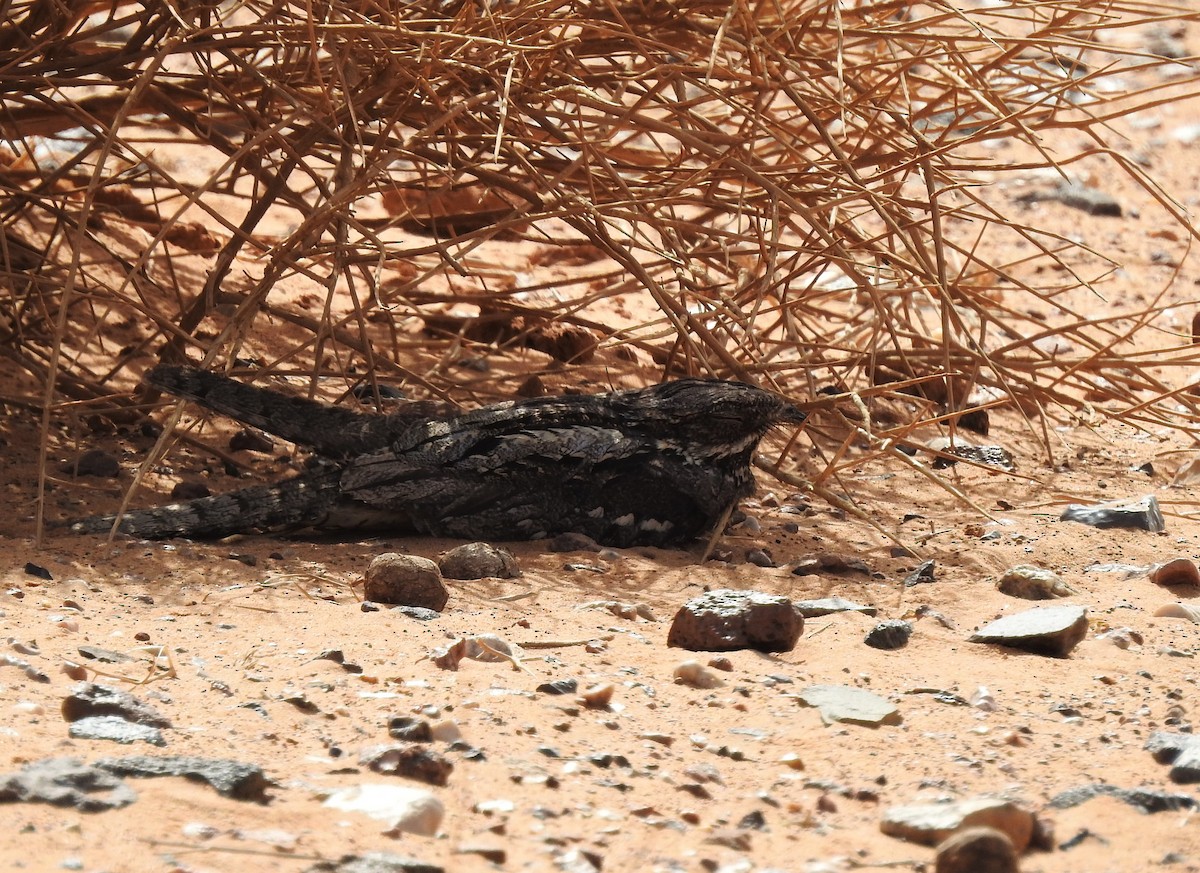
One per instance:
[(332, 431), (306, 500)]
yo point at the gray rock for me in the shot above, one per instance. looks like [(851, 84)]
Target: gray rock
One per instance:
[(115, 728), (760, 558), (830, 605), (375, 862), (1143, 514), (559, 686), (479, 561), (1033, 583), (1181, 751), (950, 453), (977, 850), (410, 760), (889, 635), (1076, 195), (923, 575), (229, 778), (66, 782), (88, 699), (1046, 630), (1146, 800), (842, 703), (931, 823), (31, 672), (417, 613), (103, 655), (406, 580), (725, 620)]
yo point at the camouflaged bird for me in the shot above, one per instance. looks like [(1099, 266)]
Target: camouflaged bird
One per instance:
[(657, 466)]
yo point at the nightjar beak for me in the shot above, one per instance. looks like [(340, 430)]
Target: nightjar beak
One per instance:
[(791, 415)]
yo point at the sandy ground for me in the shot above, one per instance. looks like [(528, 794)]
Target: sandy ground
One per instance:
[(226, 640)]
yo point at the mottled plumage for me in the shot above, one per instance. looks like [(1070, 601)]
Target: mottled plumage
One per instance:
[(656, 466)]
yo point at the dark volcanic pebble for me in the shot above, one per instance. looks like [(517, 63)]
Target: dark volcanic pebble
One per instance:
[(189, 491), (95, 462), (249, 440), (410, 760), (410, 730)]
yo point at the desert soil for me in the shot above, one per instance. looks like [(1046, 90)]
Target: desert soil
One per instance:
[(227, 642)]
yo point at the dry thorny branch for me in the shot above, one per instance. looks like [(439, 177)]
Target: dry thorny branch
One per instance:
[(799, 190)]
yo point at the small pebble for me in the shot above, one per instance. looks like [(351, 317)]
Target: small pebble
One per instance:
[(598, 696), (695, 674), (792, 761)]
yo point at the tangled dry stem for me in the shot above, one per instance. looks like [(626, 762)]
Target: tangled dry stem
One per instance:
[(797, 185)]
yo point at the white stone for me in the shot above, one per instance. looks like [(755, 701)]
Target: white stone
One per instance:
[(404, 810)]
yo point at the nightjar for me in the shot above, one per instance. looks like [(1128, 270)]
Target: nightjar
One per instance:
[(657, 466)]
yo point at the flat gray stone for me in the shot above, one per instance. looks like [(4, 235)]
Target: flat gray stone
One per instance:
[(931, 823), (842, 703), (116, 729), (1141, 514), (1147, 800), (66, 782), (1046, 630), (830, 605), (375, 862), (230, 778)]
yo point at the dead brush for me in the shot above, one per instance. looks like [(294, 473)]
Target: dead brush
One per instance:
[(801, 189)]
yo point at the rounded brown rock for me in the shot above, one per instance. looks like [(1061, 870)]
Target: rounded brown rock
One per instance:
[(977, 850)]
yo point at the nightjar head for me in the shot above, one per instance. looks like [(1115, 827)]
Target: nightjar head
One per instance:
[(716, 418)]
